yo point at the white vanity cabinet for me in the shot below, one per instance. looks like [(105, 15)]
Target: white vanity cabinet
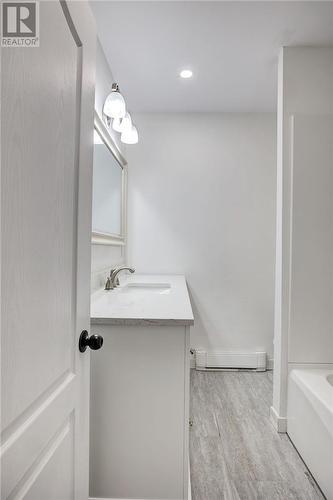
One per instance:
[(140, 397)]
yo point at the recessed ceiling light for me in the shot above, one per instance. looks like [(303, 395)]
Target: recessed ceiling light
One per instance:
[(186, 73)]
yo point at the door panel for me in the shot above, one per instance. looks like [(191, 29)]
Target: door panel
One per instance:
[(47, 119), (51, 475), (26, 446)]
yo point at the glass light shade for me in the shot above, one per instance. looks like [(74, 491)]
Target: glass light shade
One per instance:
[(126, 123), (120, 125), (130, 136), (116, 124), (114, 105)]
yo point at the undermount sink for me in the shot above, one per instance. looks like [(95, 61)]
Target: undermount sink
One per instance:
[(156, 288)]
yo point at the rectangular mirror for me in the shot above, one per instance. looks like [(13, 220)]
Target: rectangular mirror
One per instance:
[(109, 189)]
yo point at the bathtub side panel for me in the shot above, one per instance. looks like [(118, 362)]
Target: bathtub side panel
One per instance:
[(311, 437)]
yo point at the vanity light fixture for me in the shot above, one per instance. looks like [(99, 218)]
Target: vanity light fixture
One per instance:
[(186, 73), (114, 105), (115, 108), (130, 136)]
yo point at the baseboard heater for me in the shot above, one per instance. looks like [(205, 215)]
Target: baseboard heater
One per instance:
[(230, 361)]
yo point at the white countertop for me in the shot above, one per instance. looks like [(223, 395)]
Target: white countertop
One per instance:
[(144, 299)]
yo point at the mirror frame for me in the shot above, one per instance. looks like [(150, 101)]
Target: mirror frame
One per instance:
[(108, 238)]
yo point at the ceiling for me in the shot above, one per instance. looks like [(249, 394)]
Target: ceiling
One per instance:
[(231, 47)]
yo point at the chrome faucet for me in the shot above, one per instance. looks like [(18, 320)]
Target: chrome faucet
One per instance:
[(114, 275)]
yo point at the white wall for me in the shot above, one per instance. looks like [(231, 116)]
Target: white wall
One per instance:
[(305, 87), (104, 256), (310, 338), (202, 193)]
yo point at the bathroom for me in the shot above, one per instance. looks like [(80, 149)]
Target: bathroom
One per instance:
[(166, 250)]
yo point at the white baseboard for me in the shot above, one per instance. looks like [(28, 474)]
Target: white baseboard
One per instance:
[(230, 360), (189, 497), (279, 423), (99, 498)]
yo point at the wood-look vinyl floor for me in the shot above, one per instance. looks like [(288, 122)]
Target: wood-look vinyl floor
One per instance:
[(235, 453)]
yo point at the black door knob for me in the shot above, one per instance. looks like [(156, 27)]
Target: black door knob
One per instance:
[(94, 341)]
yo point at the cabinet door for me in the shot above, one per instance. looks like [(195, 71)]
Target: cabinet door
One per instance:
[(139, 413)]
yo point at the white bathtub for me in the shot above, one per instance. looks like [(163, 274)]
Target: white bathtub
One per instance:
[(310, 422)]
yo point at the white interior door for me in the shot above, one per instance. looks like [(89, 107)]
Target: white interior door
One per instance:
[(47, 130)]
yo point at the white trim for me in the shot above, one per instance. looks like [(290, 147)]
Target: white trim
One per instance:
[(322, 366), (103, 130), (270, 364), (230, 360), (189, 491), (279, 423), (104, 239), (186, 468), (99, 238), (192, 361)]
